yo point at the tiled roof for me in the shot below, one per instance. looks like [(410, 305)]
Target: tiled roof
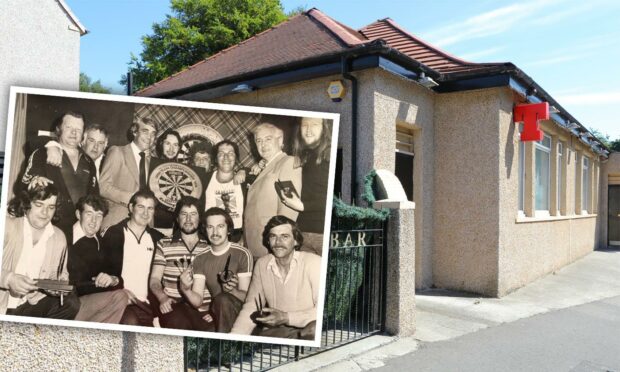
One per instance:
[(406, 43), (307, 36)]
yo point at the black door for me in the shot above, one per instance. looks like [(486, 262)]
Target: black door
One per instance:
[(404, 172), (613, 219)]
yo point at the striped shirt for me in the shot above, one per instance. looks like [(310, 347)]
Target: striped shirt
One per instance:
[(170, 253)]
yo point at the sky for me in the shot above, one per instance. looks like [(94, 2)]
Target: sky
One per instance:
[(569, 47)]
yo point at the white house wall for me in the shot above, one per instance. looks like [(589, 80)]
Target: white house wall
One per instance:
[(40, 48)]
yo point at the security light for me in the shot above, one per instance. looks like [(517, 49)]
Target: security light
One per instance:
[(427, 82)]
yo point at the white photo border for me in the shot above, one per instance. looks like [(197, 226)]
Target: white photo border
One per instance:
[(15, 90)]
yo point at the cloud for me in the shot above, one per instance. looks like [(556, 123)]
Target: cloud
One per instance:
[(481, 53), (489, 23), (590, 99), (555, 60)]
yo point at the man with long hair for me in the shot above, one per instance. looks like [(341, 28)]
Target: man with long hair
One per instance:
[(34, 249), (223, 271), (172, 256), (284, 291)]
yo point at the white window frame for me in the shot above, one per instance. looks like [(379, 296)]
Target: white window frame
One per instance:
[(586, 185), (540, 146), (559, 183)]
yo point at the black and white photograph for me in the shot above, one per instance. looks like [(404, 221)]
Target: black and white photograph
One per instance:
[(164, 216)]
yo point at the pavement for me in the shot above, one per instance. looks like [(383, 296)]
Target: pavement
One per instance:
[(442, 316)]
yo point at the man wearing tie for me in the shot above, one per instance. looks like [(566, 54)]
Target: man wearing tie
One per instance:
[(125, 170)]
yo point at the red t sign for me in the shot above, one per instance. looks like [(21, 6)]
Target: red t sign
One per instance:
[(529, 115)]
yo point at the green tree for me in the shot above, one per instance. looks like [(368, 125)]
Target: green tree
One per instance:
[(195, 30), (87, 85), (602, 137), (615, 145)]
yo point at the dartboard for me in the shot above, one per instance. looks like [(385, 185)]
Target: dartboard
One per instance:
[(171, 181), (193, 133)]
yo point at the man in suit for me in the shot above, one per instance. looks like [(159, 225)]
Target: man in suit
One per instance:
[(263, 201), (126, 169)]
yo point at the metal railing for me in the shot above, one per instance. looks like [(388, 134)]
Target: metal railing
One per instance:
[(354, 308)]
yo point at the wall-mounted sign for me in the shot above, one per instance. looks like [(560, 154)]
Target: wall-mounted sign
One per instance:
[(530, 114)]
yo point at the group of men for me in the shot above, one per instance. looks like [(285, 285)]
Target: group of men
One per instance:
[(124, 271)]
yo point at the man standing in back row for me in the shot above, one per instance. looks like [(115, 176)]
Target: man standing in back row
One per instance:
[(263, 201), (126, 168)]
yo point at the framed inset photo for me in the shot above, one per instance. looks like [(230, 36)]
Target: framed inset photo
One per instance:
[(166, 216)]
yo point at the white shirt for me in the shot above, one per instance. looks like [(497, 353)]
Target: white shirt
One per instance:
[(234, 206), (136, 154), (137, 256), (31, 258), (98, 165), (78, 233)]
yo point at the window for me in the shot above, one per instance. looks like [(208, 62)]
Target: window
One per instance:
[(560, 184), (585, 185), (542, 173)]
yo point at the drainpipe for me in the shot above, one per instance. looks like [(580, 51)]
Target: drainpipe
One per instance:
[(354, 93)]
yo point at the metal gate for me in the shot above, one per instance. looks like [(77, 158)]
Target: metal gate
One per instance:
[(354, 308)]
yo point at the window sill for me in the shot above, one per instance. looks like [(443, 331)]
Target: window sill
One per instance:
[(523, 219)]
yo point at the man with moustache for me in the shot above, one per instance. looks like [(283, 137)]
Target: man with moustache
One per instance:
[(221, 188), (126, 169), (286, 282), (76, 177), (101, 295), (129, 247), (263, 201), (172, 256), (223, 271), (34, 249)]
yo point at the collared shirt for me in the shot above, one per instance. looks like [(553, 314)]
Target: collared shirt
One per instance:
[(168, 254), (78, 233), (32, 256), (297, 294), (137, 256), (98, 166), (136, 154), (273, 266), (272, 158)]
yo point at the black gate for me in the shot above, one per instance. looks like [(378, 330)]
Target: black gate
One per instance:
[(354, 308)]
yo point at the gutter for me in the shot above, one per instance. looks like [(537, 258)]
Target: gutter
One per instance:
[(354, 124)]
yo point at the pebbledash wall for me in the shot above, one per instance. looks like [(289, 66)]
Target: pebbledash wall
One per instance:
[(470, 234), (40, 47)]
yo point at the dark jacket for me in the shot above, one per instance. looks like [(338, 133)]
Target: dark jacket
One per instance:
[(113, 242)]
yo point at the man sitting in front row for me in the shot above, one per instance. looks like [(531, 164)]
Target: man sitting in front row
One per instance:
[(34, 249), (101, 295), (172, 256), (130, 245), (286, 283), (225, 269)]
